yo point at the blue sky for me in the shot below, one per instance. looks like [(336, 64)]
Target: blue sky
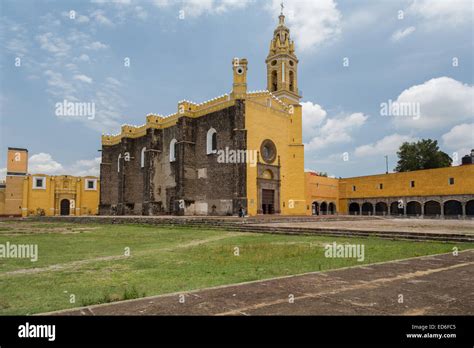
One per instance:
[(414, 52)]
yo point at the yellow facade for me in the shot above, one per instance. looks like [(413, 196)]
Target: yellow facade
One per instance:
[(431, 185), (17, 168), (17, 160), (25, 194), (275, 122), (2, 198), (60, 195), (276, 114), (321, 192)]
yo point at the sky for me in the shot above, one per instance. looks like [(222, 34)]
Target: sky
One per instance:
[(374, 74)]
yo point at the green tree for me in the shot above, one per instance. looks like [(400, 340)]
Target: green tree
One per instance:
[(424, 154)]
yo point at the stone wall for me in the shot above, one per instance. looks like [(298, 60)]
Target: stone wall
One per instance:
[(194, 184)]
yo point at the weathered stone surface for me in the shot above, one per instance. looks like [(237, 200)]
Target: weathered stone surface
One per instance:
[(195, 178)]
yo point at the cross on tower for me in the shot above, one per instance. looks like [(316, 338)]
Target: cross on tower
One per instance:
[(282, 7)]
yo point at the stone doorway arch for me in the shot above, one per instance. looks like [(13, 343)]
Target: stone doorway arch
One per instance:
[(65, 207)]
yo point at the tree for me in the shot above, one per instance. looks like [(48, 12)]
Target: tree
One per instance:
[(424, 154)]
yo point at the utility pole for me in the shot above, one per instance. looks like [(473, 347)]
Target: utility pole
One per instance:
[(386, 164)]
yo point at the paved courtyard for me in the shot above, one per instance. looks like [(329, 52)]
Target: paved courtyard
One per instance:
[(451, 226), (431, 285)]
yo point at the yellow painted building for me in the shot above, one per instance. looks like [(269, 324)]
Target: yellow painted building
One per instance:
[(187, 178), (322, 194), (447, 192), (25, 194)]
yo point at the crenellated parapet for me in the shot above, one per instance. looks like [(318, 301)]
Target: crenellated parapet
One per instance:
[(185, 108)]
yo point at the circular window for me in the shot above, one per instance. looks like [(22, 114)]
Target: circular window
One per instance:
[(274, 63), (268, 151), (240, 70), (292, 63)]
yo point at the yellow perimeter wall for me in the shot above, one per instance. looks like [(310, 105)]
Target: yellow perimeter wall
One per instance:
[(29, 200), (429, 182), (321, 189), (82, 201)]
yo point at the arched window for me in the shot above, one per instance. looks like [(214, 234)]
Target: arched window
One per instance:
[(173, 150), (292, 81), (142, 158), (267, 174), (211, 141), (118, 162), (274, 83)]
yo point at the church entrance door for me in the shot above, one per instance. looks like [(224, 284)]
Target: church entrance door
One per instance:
[(65, 207), (268, 201)]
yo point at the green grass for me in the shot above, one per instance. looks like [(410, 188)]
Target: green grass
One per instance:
[(164, 260)]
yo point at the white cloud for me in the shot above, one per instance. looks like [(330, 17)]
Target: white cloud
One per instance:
[(440, 14), (96, 45), (85, 167), (82, 19), (313, 116), (71, 66), (58, 86), (141, 13), (401, 34), (3, 173), (359, 18), (83, 58), (109, 105), (43, 163), (53, 44), (443, 102), (83, 78), (460, 139), (161, 3), (196, 8), (17, 46), (101, 18), (387, 145), (227, 5), (336, 130), (311, 22), (114, 2)]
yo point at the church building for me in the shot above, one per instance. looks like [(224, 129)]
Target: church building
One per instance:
[(240, 150)]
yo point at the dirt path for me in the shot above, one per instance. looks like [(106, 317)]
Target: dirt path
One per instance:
[(74, 264)]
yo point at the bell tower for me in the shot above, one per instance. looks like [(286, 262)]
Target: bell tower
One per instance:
[(239, 86), (282, 65)]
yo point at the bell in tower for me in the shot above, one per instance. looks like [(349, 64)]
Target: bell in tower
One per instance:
[(282, 64)]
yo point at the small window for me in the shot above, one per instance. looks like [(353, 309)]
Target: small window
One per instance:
[(412, 183), (142, 158), (211, 141), (353, 188), (173, 150), (381, 186), (39, 182), (451, 181), (118, 162), (91, 184)]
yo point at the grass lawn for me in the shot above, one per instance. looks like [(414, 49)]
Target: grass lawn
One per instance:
[(88, 261)]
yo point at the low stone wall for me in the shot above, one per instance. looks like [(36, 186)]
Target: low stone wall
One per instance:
[(257, 225)]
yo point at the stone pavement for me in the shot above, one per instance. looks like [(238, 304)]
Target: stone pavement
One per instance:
[(428, 285)]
